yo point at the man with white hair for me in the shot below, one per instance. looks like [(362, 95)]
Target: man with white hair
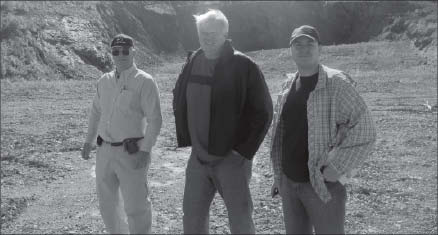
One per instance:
[(126, 100), (222, 109)]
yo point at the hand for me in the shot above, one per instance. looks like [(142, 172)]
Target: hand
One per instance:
[(275, 190), (236, 157), (85, 152), (142, 159), (235, 153), (330, 174)]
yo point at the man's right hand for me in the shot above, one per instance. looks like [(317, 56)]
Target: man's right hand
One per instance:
[(86, 151), (275, 189)]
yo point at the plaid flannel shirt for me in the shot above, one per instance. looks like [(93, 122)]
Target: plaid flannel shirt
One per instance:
[(341, 132)]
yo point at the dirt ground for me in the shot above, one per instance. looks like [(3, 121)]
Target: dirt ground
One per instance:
[(47, 188)]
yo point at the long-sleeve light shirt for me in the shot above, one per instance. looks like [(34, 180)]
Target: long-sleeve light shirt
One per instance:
[(125, 107), (341, 132)]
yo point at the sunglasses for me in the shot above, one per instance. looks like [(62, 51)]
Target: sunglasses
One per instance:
[(304, 45), (116, 51)]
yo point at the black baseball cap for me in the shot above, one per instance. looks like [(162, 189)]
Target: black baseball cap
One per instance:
[(304, 30), (122, 40)]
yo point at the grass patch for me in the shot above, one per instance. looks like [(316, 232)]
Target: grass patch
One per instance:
[(11, 208)]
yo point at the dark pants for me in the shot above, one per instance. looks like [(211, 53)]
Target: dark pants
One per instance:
[(231, 177), (303, 209)]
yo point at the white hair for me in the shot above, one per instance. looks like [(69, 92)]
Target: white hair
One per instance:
[(212, 15)]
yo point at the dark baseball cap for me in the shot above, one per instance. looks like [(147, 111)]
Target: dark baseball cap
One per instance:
[(304, 30), (122, 40)]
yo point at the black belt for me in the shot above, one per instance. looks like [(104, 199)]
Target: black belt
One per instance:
[(130, 144), (100, 141), (114, 143)]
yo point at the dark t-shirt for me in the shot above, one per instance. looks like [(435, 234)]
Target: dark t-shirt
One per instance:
[(198, 105), (294, 115)]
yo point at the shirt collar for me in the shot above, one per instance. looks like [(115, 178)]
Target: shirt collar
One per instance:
[(128, 71), (322, 78), (321, 83)]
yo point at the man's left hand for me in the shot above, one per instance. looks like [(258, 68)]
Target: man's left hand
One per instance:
[(330, 174)]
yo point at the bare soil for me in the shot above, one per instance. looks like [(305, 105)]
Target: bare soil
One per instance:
[(47, 188)]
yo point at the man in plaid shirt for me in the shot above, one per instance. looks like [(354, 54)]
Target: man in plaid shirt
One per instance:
[(322, 131)]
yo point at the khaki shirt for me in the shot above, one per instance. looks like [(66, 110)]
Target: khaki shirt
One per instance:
[(125, 107), (341, 131)]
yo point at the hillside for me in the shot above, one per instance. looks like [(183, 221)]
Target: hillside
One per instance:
[(57, 40)]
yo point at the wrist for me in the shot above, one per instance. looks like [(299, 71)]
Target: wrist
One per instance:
[(333, 168)]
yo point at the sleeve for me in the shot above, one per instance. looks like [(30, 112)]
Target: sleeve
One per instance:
[(259, 104), (150, 103), (277, 107), (276, 144), (357, 128), (94, 117)]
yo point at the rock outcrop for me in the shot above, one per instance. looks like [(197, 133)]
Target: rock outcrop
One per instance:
[(69, 39)]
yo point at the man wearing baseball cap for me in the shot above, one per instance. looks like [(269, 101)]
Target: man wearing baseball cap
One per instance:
[(322, 132), (126, 118)]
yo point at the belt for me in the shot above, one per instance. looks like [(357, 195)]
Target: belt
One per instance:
[(115, 144), (99, 142)]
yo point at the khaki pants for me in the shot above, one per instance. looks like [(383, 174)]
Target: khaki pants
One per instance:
[(231, 177), (114, 170)]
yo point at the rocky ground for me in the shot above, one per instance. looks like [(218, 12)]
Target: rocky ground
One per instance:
[(47, 188)]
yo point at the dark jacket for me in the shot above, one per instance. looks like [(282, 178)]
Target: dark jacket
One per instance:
[(241, 106)]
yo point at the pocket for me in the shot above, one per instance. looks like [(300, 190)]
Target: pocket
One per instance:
[(124, 101), (237, 158), (333, 186), (236, 154), (336, 189), (98, 151), (138, 161)]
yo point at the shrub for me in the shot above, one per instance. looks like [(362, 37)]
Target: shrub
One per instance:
[(9, 28)]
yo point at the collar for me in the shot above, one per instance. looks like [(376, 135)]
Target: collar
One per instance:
[(322, 78), (126, 72)]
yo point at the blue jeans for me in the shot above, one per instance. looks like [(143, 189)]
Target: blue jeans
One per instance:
[(304, 210), (231, 177)]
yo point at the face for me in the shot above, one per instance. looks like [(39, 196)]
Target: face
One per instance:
[(123, 57), (211, 36), (305, 51)]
